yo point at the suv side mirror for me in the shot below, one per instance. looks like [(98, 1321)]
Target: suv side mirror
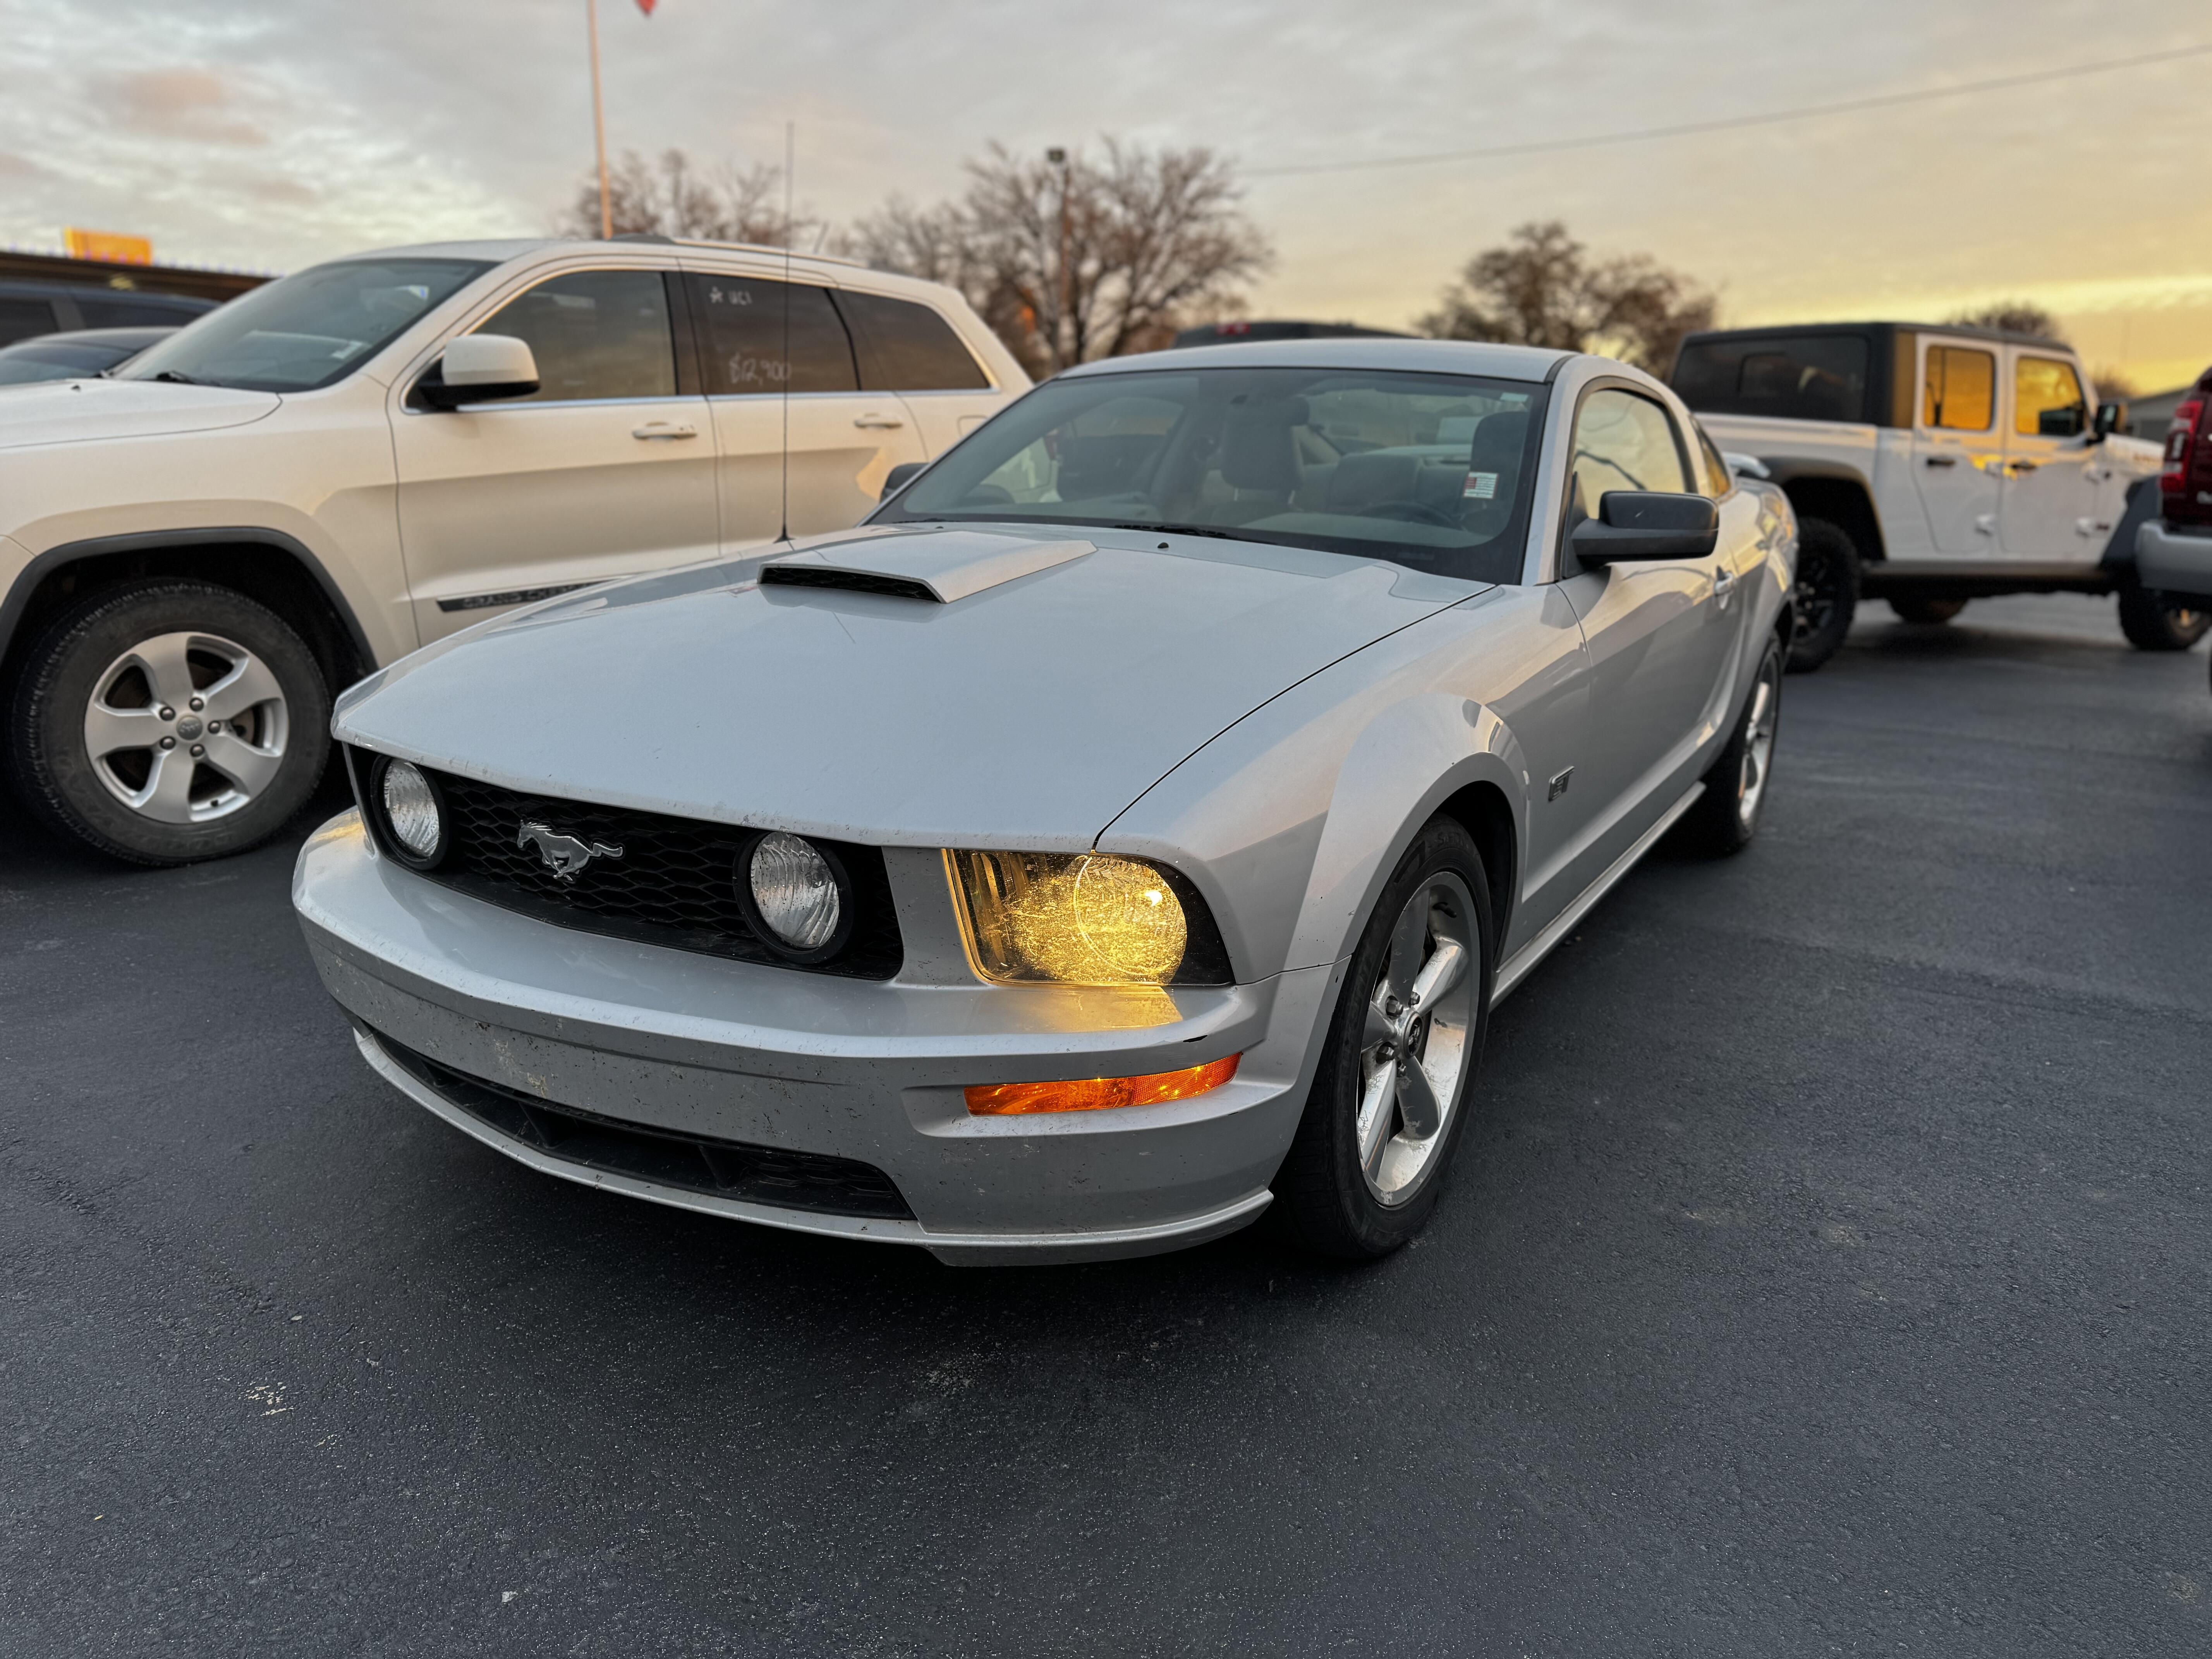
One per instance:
[(477, 368), (898, 477), (2110, 418), (1637, 524)]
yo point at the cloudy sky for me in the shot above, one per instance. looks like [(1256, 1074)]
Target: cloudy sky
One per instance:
[(266, 134)]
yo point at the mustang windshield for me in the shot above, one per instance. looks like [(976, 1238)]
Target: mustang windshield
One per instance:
[(308, 330), (1426, 471)]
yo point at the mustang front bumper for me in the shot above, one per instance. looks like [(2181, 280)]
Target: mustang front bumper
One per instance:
[(803, 1100)]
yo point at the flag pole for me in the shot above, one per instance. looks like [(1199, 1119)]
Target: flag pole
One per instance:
[(599, 121)]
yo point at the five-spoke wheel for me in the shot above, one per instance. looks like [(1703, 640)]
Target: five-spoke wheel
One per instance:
[(1389, 1096), (166, 721), (1418, 1019), (185, 727)]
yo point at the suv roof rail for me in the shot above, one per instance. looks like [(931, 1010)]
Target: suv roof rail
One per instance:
[(756, 248)]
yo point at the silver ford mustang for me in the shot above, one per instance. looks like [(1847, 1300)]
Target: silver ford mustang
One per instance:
[(1130, 826)]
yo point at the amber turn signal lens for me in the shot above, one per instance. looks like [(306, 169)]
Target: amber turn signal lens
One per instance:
[(1097, 1093)]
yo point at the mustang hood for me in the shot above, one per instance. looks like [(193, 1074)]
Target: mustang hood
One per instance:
[(1027, 712), (72, 411)]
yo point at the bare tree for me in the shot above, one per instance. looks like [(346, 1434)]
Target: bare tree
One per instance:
[(2014, 317), (1088, 259), (675, 196), (1541, 289)]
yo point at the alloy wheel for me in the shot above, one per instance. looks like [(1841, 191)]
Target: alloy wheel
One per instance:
[(186, 727), (1759, 742), (1416, 1047)]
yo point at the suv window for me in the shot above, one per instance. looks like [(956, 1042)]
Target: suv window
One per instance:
[(905, 347), (22, 318), (2046, 399), (595, 334), (136, 313), (745, 325), (1810, 377), (1959, 389), (1622, 441), (307, 330)]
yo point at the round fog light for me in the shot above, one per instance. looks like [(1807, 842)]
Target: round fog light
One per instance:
[(410, 810), (795, 890)]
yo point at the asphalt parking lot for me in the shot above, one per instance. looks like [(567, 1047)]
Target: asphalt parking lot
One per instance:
[(1824, 1273)]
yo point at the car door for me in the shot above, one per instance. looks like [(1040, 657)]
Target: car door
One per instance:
[(1659, 636), (801, 446), (1958, 454), (606, 470), (2047, 505), (906, 348)]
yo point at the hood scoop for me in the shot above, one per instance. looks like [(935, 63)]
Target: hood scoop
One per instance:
[(937, 567)]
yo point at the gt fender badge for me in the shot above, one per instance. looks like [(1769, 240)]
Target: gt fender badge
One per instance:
[(564, 855)]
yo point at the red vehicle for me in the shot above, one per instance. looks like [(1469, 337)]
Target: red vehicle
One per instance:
[(2173, 552)]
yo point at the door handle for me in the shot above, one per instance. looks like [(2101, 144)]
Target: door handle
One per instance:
[(878, 422), (653, 429), (1942, 460), (2021, 466), (1723, 585)]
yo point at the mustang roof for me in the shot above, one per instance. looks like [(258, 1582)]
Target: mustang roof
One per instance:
[(1504, 362)]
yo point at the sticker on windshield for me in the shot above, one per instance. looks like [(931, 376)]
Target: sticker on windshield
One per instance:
[(1480, 487)]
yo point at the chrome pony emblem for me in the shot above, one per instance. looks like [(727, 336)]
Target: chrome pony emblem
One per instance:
[(564, 855)]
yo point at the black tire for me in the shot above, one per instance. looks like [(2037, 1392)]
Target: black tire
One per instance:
[(274, 746), (1323, 1198), (1926, 613), (1726, 816), (1827, 593), (2158, 621)]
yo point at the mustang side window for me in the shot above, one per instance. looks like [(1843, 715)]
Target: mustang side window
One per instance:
[(1622, 441), (595, 334), (761, 337), (2047, 400), (1959, 389)]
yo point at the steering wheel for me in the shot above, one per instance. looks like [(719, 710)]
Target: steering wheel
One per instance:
[(1411, 513)]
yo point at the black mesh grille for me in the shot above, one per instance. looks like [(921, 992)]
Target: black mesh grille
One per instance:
[(732, 1169), (676, 882)]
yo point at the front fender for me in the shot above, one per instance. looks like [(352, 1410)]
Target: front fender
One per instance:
[(1291, 821)]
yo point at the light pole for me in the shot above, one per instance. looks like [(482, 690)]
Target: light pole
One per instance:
[(1057, 157), (599, 121)]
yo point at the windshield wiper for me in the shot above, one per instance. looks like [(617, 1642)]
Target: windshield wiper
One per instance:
[(175, 379), (1186, 530)]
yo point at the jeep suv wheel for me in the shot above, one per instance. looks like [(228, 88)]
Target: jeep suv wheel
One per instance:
[(1827, 593), (167, 721), (2156, 622)]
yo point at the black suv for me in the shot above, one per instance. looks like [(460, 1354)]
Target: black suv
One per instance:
[(28, 309)]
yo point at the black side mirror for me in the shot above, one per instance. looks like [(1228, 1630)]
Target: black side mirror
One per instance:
[(899, 477), (2110, 418), (1639, 523), (2060, 423)]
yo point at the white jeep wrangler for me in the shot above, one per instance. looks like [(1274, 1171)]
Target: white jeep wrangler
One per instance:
[(329, 471), (1931, 465)]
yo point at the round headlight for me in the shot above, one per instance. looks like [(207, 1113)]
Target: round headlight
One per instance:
[(795, 891), (410, 810)]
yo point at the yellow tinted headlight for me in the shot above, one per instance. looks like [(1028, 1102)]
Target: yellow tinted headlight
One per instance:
[(1068, 919)]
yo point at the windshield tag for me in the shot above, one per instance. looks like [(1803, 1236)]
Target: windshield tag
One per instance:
[(1480, 487)]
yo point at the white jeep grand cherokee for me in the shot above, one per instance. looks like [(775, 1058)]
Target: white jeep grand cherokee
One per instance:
[(354, 461)]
